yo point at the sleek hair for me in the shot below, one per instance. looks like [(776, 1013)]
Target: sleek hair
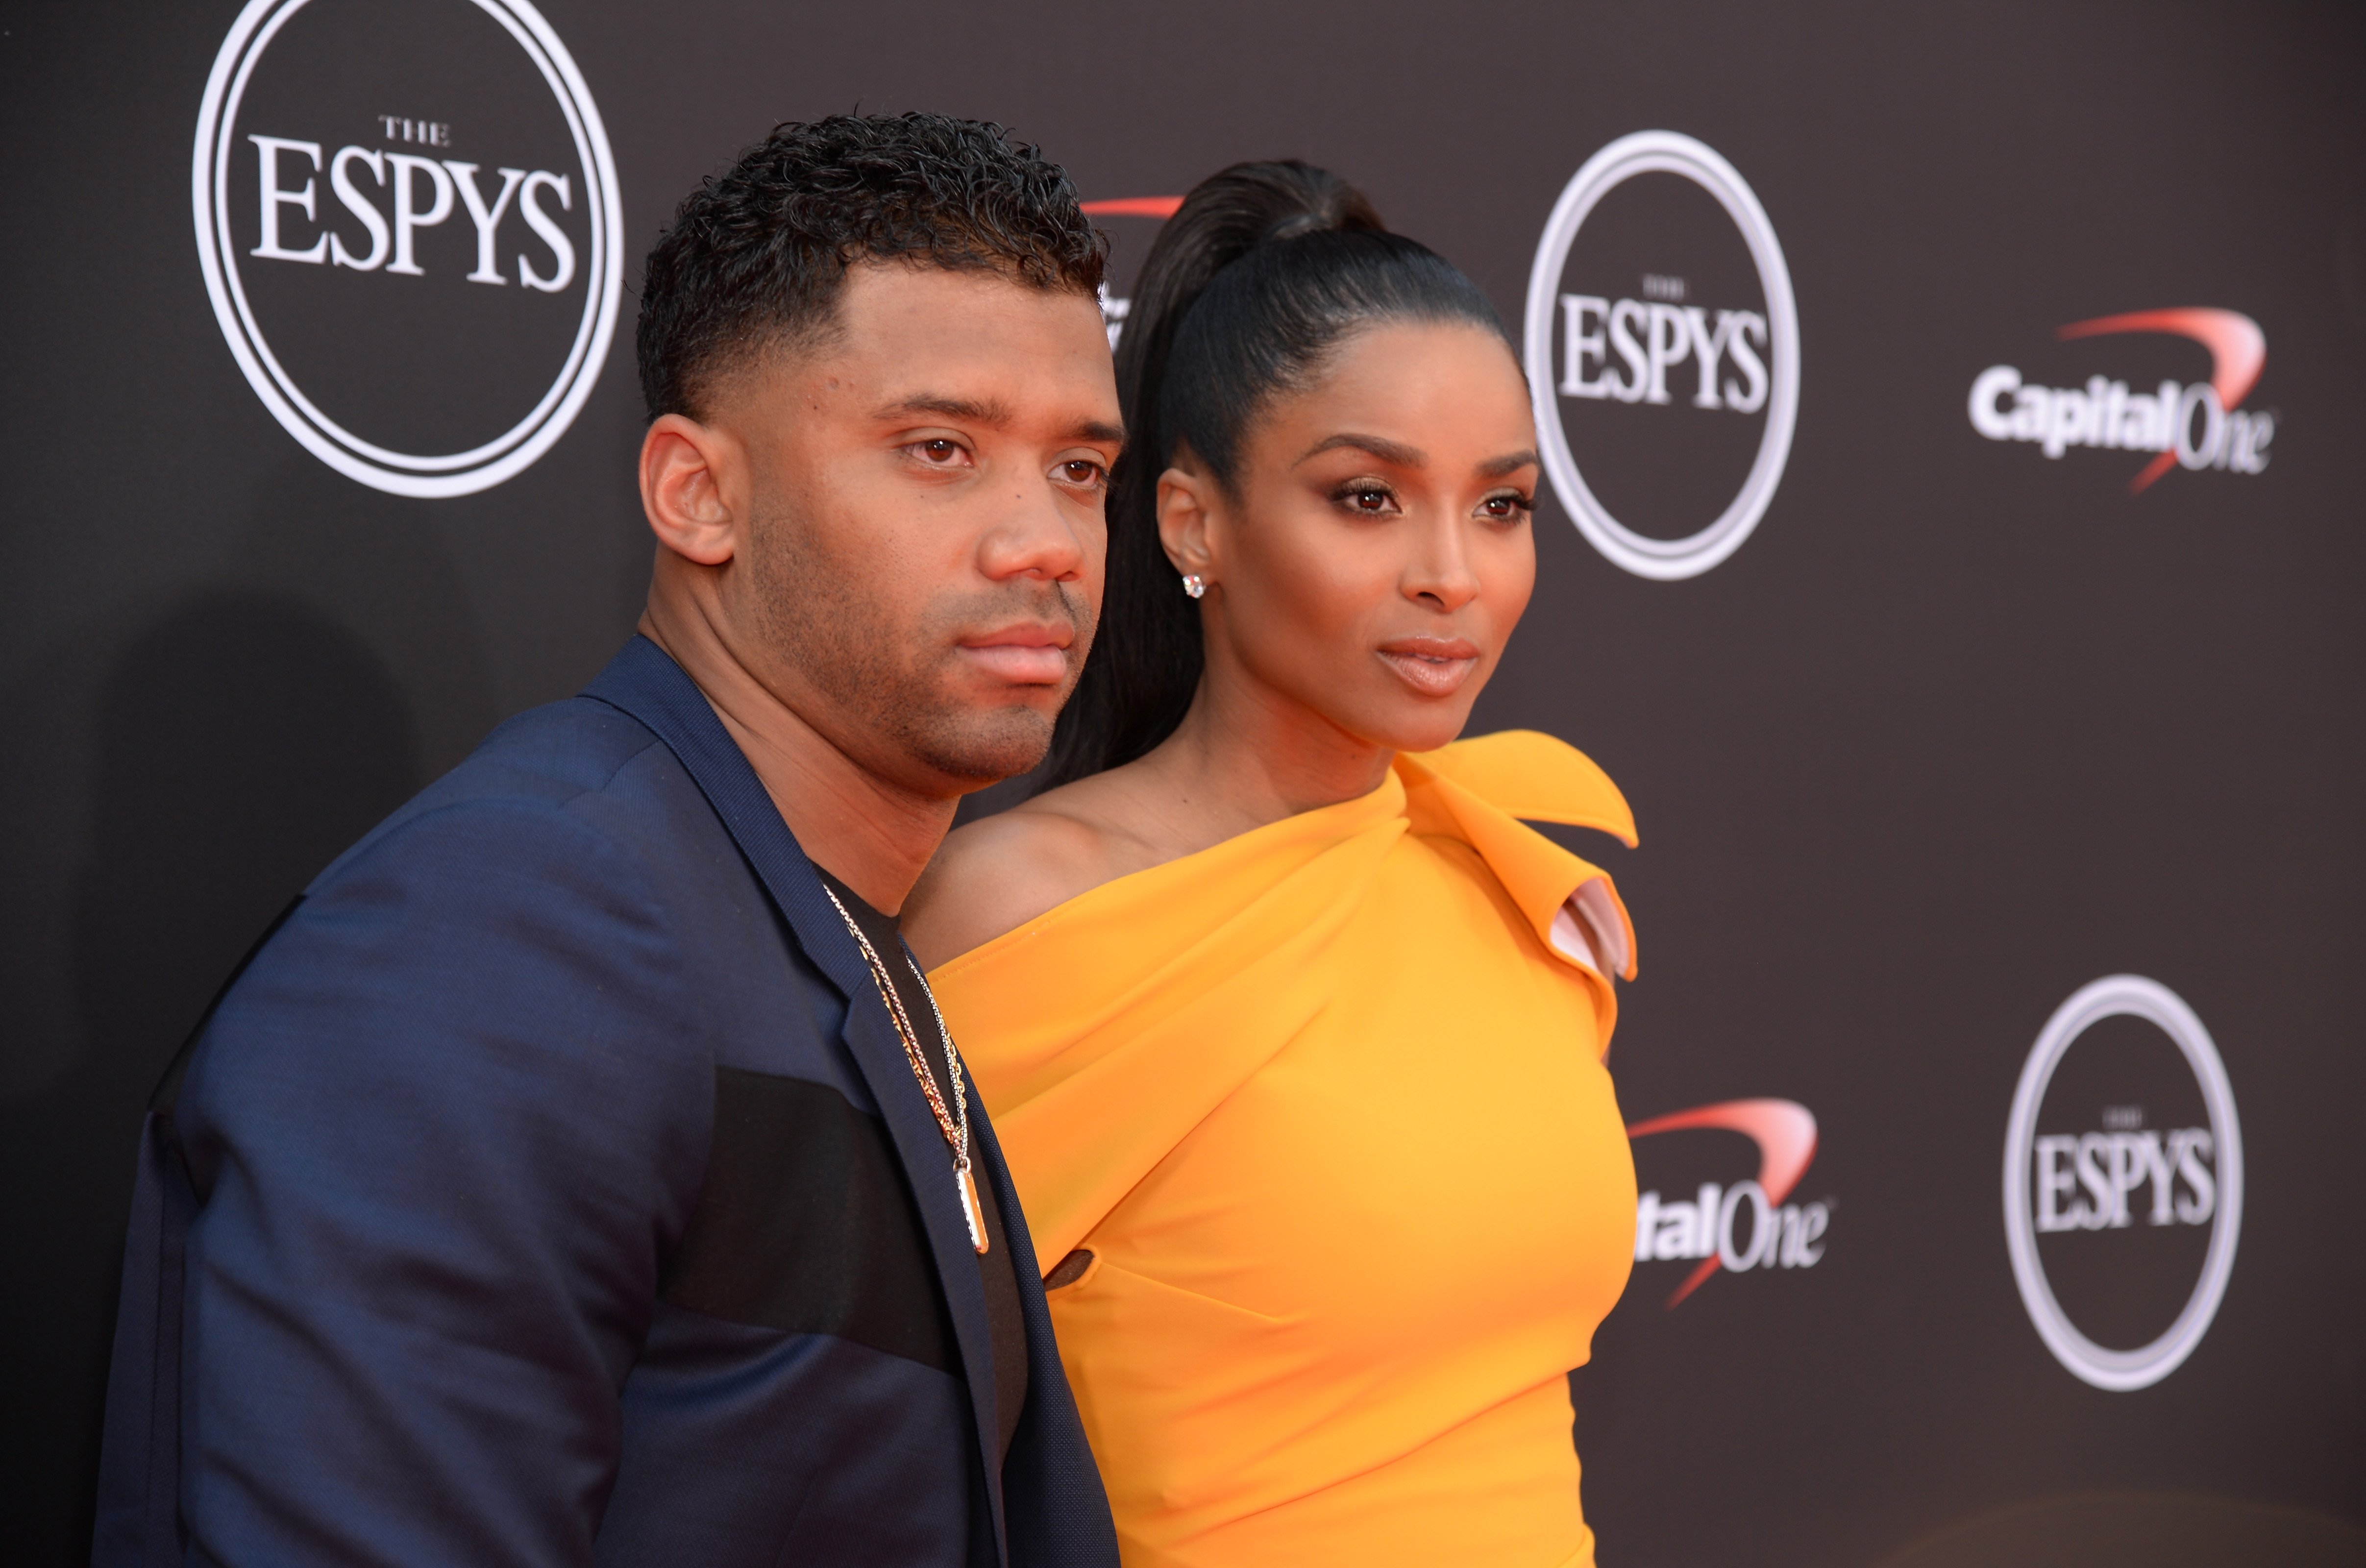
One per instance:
[(1249, 290), (757, 254)]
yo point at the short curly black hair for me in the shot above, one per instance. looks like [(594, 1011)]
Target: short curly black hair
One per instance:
[(757, 254)]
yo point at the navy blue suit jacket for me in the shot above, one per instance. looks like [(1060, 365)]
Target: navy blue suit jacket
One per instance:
[(551, 1188)]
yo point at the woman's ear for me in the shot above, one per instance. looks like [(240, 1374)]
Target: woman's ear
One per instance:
[(688, 471), (1186, 508)]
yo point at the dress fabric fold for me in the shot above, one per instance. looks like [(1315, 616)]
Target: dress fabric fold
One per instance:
[(1327, 1104)]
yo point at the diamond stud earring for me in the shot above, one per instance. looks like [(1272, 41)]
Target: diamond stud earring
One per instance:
[(1194, 584)]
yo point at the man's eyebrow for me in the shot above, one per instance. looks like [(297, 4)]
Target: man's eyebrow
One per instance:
[(993, 412), (1510, 462), (1387, 451), (968, 410)]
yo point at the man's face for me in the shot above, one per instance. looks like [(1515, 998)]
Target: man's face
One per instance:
[(922, 568)]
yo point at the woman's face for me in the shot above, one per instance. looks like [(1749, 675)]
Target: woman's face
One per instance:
[(1379, 553)]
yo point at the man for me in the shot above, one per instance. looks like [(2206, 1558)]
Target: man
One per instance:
[(577, 1173)]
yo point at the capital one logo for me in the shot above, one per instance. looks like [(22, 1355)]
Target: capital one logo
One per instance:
[(1746, 1225), (2103, 1183), (2195, 427), (408, 222), (1650, 320)]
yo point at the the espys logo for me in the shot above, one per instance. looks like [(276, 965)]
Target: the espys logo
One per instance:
[(2197, 426), (2120, 1213), (407, 220), (1746, 1225), (1114, 306), (1651, 365)]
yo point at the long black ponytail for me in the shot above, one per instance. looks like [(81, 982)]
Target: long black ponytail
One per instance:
[(1258, 274)]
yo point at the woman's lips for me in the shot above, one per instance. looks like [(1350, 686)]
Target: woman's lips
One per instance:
[(1436, 667), (1028, 658)]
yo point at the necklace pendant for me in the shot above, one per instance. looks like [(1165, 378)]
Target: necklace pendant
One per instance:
[(972, 1212)]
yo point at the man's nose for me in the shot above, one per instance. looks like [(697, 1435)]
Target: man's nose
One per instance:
[(1035, 535)]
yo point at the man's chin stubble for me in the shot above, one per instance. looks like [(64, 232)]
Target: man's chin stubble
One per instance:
[(980, 746)]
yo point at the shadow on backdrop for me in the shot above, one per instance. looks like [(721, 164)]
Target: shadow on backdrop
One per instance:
[(2139, 1530), (242, 741)]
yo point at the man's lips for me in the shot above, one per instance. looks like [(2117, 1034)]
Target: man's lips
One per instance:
[(1024, 656), (1434, 666)]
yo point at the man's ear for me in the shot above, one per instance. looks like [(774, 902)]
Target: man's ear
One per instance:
[(689, 472), (1185, 510)]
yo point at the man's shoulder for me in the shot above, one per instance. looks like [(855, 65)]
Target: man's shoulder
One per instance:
[(554, 753), (567, 778)]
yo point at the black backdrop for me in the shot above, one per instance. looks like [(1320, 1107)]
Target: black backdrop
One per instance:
[(1959, 728)]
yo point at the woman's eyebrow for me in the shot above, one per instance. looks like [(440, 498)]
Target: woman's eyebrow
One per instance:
[(1511, 462), (1391, 452)]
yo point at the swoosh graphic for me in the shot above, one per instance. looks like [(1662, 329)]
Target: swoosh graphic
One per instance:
[(1785, 1131), (1135, 207), (2238, 352)]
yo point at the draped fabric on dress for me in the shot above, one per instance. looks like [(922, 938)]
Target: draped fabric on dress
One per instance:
[(1326, 1102)]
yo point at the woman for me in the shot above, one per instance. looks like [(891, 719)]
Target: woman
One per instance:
[(1292, 1031)]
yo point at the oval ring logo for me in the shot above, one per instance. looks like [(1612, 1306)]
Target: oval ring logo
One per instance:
[(2113, 1169), (398, 191), (1663, 151)]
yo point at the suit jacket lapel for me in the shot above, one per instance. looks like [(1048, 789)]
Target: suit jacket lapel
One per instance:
[(644, 682)]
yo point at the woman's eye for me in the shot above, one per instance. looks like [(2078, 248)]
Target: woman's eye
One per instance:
[(1504, 508), (1370, 499)]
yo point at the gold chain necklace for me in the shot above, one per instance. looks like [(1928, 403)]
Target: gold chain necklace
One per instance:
[(953, 1123)]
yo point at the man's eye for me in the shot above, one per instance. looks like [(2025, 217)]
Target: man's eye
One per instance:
[(1081, 471), (939, 450)]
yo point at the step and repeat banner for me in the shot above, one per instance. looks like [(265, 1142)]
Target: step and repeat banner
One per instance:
[(1952, 418)]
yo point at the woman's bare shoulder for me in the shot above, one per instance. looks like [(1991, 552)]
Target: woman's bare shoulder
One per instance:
[(999, 872)]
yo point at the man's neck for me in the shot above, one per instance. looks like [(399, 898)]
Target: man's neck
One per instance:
[(871, 833)]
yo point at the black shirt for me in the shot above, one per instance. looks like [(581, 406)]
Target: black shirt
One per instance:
[(1008, 1329)]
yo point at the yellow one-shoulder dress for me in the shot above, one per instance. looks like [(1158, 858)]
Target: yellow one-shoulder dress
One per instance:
[(1326, 1102)]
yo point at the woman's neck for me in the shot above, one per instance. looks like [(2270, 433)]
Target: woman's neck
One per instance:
[(1242, 758), (1246, 755)]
